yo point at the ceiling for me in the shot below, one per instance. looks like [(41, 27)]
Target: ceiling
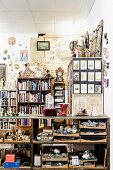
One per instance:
[(42, 16)]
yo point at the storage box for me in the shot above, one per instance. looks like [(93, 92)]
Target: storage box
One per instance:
[(10, 158), (49, 112), (12, 164)]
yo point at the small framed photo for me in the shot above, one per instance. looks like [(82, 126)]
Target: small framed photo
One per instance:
[(98, 88), (83, 64), (76, 88), (90, 88), (98, 76), (90, 76), (83, 88), (76, 65), (83, 76), (98, 64), (91, 64), (76, 76)]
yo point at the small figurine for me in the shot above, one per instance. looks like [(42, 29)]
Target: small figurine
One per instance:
[(38, 72), (49, 101), (27, 69), (48, 75)]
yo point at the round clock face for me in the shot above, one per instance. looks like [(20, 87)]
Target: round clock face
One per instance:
[(59, 73)]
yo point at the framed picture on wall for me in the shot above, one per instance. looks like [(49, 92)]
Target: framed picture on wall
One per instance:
[(2, 75), (76, 88), (91, 64), (90, 88), (83, 76), (98, 76), (90, 76), (43, 45), (76, 76), (98, 64), (76, 65), (83, 88), (83, 64), (98, 88)]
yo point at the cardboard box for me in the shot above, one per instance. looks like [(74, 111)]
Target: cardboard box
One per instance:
[(10, 158)]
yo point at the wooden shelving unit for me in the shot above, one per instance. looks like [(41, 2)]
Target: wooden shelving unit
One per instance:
[(59, 94), (98, 146)]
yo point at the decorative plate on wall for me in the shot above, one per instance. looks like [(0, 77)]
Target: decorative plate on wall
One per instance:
[(11, 40), (16, 66)]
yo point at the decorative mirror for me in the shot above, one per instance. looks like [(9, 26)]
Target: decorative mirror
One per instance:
[(59, 74)]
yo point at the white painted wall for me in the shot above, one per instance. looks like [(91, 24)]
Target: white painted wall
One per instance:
[(103, 9)]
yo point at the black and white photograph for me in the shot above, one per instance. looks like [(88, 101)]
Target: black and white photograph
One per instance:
[(98, 76), (98, 88), (90, 88), (83, 76), (83, 64), (76, 88), (90, 76), (83, 88), (98, 64), (91, 64)]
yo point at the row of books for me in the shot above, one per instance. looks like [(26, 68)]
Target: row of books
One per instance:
[(24, 85), (23, 122), (23, 109), (7, 94), (34, 85), (6, 124), (35, 97), (35, 110), (23, 97), (30, 97)]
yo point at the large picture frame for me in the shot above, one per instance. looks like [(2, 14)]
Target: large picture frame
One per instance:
[(43, 45), (2, 75)]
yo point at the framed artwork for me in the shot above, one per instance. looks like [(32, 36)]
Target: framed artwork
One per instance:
[(76, 88), (83, 88), (91, 64), (76, 76), (43, 45), (98, 88), (24, 55), (76, 65), (83, 64), (90, 76), (2, 75), (97, 76), (83, 76), (98, 64), (90, 88)]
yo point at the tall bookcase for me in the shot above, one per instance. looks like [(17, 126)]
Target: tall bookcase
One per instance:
[(59, 94), (8, 101), (31, 94)]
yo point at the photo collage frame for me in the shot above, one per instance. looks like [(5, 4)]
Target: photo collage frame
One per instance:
[(87, 75)]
